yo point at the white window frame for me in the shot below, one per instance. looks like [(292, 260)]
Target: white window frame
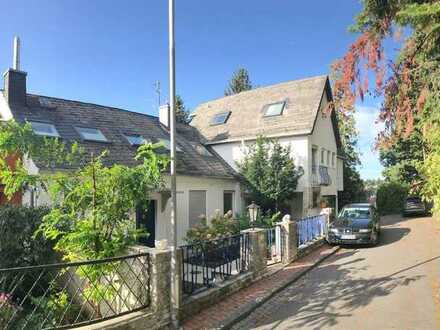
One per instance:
[(81, 134), (128, 136), (226, 115), (52, 126), (268, 106)]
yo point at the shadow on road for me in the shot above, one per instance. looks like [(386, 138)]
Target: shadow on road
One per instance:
[(310, 302)]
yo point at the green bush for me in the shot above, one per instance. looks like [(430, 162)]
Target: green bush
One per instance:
[(391, 197), (18, 247), (221, 226), (266, 221)]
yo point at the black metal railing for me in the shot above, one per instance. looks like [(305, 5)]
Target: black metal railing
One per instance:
[(208, 263), (68, 295)]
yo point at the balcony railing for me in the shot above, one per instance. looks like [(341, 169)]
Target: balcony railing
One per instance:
[(320, 176)]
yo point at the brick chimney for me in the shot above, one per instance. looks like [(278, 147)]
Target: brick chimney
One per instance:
[(15, 80)]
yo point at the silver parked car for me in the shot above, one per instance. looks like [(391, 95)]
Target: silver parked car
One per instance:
[(414, 206)]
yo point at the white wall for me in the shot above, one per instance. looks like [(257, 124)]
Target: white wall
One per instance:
[(340, 172), (5, 111), (214, 201), (324, 138), (233, 152)]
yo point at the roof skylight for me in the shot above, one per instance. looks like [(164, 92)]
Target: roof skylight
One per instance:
[(274, 109), (135, 140), (91, 134), (44, 129), (167, 144), (220, 118)]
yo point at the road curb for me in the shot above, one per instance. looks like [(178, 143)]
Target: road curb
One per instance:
[(242, 314)]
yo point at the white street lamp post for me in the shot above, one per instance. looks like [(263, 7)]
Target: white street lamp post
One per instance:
[(172, 77)]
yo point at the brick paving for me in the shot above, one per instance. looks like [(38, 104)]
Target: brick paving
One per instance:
[(216, 316)]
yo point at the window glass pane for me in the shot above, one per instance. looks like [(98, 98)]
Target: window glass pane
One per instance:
[(322, 156), (355, 213), (197, 207), (167, 144), (91, 134), (44, 129), (135, 140), (228, 201), (328, 157), (220, 118), (274, 109), (333, 158)]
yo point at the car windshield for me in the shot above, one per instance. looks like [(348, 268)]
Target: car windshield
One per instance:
[(355, 213)]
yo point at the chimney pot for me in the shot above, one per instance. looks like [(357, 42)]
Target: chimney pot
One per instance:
[(16, 58)]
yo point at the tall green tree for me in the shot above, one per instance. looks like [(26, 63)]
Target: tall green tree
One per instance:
[(401, 160), (409, 83), (240, 82), (91, 205), (182, 113), (270, 174), (354, 190)]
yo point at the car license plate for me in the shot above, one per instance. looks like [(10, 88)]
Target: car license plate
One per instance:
[(348, 236)]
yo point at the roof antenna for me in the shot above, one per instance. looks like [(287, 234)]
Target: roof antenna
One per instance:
[(158, 91), (16, 59)]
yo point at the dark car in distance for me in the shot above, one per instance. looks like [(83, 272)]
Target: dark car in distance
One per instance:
[(355, 224), (414, 206)]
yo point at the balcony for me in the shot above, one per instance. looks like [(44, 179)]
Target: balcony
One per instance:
[(320, 176)]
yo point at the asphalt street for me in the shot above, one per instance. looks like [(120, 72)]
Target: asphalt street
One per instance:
[(395, 285)]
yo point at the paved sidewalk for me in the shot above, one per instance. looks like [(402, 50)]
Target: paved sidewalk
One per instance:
[(241, 303)]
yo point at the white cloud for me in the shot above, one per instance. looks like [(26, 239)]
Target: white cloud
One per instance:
[(366, 122)]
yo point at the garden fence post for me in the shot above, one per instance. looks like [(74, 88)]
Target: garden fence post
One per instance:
[(160, 280), (257, 250), (290, 240)]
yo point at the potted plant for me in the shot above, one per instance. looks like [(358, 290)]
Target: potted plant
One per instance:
[(323, 203)]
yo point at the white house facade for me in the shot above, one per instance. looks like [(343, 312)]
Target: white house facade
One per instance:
[(206, 184), (301, 120)]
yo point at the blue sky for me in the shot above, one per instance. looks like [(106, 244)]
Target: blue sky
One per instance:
[(113, 54)]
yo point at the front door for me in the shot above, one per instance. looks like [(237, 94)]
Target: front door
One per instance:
[(146, 219)]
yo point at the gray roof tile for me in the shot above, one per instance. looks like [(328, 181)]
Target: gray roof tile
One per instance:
[(302, 98), (113, 123)]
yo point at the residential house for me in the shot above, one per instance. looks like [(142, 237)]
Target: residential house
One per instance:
[(292, 113), (205, 182)]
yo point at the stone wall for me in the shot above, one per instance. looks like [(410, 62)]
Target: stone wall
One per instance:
[(157, 316)]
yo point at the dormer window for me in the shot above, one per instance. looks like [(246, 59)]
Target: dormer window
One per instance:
[(91, 134), (135, 139), (44, 129), (220, 118), (274, 109)]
